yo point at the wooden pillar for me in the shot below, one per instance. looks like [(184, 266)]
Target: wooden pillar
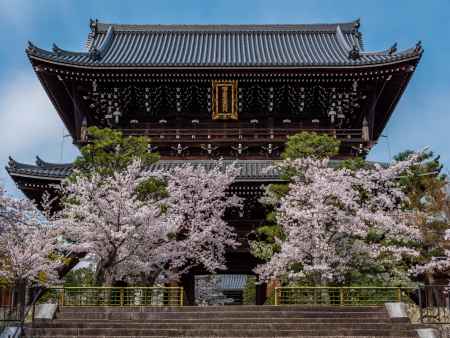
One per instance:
[(271, 285), (370, 119), (188, 283), (173, 295), (77, 113), (261, 289)]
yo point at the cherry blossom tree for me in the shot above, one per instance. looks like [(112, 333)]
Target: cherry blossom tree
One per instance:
[(135, 237), (104, 217), (27, 244), (196, 203), (330, 218)]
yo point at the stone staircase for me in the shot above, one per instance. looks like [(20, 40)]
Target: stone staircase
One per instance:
[(224, 321)]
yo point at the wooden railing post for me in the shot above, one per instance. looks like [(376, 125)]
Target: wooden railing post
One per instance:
[(61, 297), (121, 296)]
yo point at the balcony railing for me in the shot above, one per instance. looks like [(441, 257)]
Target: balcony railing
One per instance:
[(340, 296), (247, 135), (117, 296)]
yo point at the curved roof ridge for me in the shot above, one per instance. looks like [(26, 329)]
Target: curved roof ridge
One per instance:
[(33, 49), (93, 53), (14, 165), (58, 51), (341, 39), (100, 51), (393, 51), (346, 26), (43, 164)]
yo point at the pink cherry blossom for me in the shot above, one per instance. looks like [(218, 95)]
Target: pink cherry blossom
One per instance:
[(27, 242), (150, 240), (327, 215)]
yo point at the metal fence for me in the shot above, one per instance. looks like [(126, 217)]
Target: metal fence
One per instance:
[(15, 301), (9, 308), (341, 296), (433, 304), (115, 296)]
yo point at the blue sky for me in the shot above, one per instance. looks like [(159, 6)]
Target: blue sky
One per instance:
[(29, 125)]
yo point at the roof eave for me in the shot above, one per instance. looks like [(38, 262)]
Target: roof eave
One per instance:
[(213, 67), (38, 177)]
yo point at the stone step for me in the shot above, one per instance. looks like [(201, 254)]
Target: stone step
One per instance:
[(217, 320), (225, 326), (227, 308), (412, 336), (122, 332), (216, 314), (222, 321)]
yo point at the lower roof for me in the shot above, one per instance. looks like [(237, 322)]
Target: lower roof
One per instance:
[(251, 170)]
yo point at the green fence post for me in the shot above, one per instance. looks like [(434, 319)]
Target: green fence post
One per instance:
[(61, 297)]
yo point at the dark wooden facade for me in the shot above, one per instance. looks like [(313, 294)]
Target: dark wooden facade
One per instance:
[(202, 92)]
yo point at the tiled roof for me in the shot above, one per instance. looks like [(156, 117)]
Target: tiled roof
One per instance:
[(243, 46), (232, 282), (251, 170), (225, 282), (42, 169)]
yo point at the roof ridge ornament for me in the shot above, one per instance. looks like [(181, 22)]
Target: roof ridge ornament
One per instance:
[(93, 24), (392, 49), (12, 163), (356, 25), (356, 33), (40, 162), (418, 47), (31, 47), (58, 51), (96, 53), (354, 52)]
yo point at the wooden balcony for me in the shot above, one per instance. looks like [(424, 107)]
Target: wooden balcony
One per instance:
[(237, 135)]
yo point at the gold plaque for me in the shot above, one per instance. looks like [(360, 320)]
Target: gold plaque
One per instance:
[(224, 100)]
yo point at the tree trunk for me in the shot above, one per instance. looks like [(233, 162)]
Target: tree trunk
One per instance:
[(99, 275), (21, 289)]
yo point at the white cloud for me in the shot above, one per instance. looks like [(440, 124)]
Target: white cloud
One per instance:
[(26, 114), (29, 125)]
